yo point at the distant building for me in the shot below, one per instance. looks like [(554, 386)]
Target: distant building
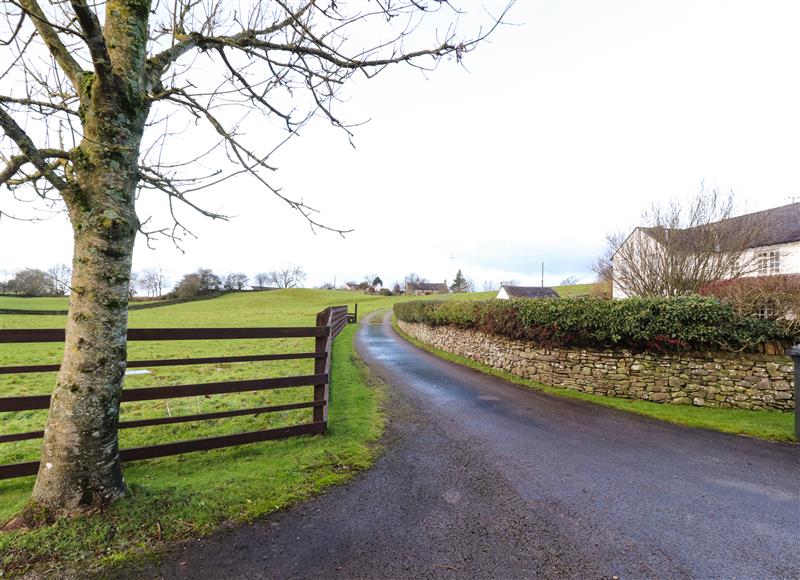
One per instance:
[(508, 292), (426, 288)]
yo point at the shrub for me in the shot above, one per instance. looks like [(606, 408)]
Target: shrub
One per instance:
[(687, 322), (771, 297)]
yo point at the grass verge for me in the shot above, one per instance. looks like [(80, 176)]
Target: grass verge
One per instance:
[(773, 425), (192, 495)]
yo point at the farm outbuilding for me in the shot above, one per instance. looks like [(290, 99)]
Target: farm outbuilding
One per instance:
[(426, 288), (509, 292)]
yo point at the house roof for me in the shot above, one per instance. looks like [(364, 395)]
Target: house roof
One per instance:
[(778, 225), (530, 292), (429, 286)]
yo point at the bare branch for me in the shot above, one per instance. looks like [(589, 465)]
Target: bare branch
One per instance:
[(33, 103), (50, 37), (94, 38), (29, 150)]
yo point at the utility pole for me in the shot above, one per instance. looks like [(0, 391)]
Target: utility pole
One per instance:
[(542, 274)]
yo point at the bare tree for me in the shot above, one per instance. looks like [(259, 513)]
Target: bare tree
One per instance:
[(287, 276), (94, 94), (235, 281), (262, 279), (209, 281), (59, 279), (189, 286), (602, 266), (775, 297), (153, 281), (133, 284), (489, 286), (30, 282), (683, 247), (414, 278)]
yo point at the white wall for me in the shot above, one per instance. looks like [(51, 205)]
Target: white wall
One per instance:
[(790, 257), (640, 239)]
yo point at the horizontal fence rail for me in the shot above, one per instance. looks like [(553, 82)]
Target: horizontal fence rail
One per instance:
[(57, 335), (329, 324)]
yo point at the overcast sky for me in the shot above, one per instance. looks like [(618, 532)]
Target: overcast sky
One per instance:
[(559, 130)]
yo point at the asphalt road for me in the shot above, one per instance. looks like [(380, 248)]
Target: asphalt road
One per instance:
[(484, 479)]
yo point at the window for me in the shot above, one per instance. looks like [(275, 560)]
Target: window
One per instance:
[(736, 268), (766, 309), (769, 263)]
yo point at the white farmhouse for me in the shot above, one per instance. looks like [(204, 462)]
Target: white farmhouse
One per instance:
[(776, 250)]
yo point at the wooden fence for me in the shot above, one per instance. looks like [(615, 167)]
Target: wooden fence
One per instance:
[(330, 322)]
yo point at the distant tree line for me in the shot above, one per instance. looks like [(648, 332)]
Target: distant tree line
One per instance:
[(204, 281), (35, 282), (154, 282)]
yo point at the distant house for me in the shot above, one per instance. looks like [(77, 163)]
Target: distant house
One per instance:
[(509, 292), (426, 288), (776, 250)]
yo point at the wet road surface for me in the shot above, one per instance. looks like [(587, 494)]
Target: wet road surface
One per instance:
[(484, 479)]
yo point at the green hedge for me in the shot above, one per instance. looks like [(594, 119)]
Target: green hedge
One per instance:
[(683, 323)]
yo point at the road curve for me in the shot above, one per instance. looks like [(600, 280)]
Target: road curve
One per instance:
[(485, 479)]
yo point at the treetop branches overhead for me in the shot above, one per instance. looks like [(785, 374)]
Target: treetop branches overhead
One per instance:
[(219, 80)]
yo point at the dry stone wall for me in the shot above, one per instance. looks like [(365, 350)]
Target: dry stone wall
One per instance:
[(713, 379)]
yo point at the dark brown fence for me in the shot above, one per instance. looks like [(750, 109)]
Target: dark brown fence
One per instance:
[(330, 322)]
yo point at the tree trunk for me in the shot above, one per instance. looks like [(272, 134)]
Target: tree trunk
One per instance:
[(80, 469)]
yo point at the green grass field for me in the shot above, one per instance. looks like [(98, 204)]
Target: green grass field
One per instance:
[(573, 290), (37, 303), (190, 495)]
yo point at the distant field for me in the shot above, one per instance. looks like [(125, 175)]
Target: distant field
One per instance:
[(573, 290), (234, 303), (37, 303), (43, 302)]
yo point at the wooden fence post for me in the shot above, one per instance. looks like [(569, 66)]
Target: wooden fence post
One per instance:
[(320, 363)]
